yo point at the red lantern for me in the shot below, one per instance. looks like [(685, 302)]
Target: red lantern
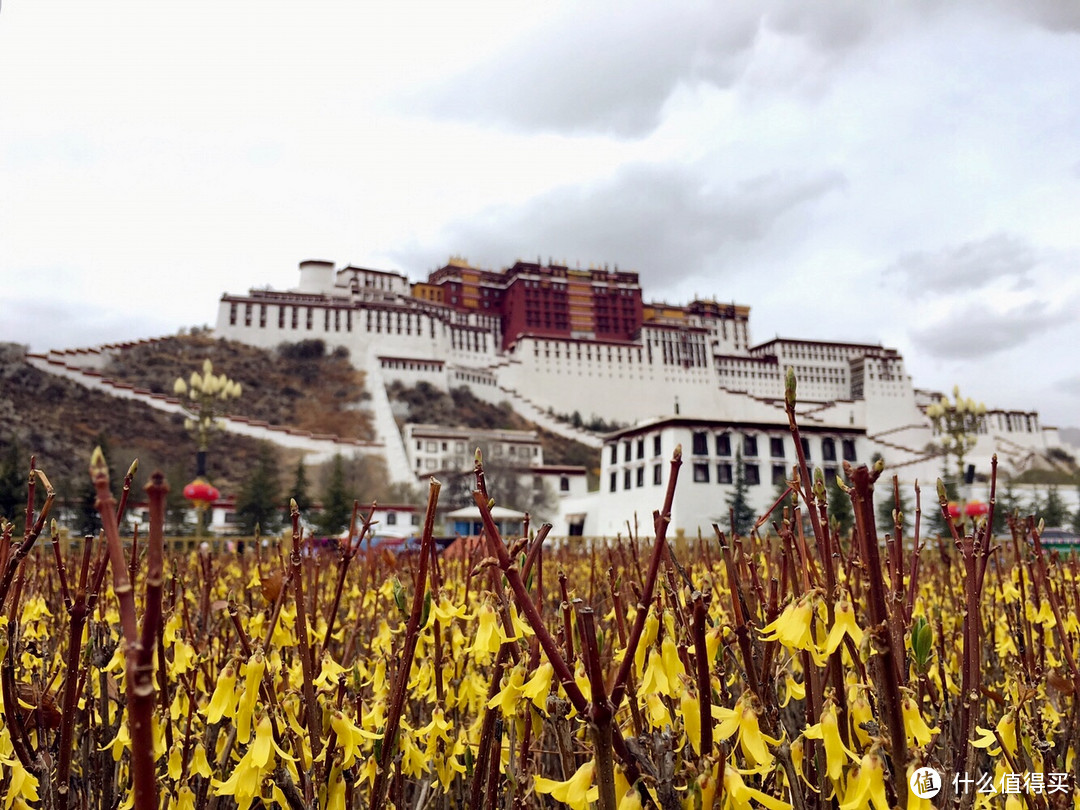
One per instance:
[(976, 509), (954, 508), (201, 493)]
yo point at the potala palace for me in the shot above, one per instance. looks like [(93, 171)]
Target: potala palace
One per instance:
[(554, 340)]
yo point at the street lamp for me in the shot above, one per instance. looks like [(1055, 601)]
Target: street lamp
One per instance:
[(206, 395), (957, 424)]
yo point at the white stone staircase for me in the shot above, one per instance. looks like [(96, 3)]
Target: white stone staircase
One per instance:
[(531, 411), (386, 428)]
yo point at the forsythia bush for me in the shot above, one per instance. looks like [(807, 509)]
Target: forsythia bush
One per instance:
[(792, 669)]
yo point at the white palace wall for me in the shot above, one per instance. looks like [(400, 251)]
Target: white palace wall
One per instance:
[(702, 366)]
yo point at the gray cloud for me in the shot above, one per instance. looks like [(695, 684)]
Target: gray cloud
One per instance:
[(611, 71), (966, 267), (668, 223), (977, 332), (1069, 385)]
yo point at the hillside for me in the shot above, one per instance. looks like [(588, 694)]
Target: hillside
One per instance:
[(300, 385), (60, 422)]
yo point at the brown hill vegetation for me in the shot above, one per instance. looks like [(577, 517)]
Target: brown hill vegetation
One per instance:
[(300, 385), (60, 422)]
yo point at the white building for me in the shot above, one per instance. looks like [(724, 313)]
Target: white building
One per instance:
[(550, 339), (435, 448), (636, 468)]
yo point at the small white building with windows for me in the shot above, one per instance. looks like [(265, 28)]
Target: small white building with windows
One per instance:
[(436, 448), (636, 467)]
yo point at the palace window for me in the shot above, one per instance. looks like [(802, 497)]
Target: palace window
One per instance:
[(701, 446), (723, 444)]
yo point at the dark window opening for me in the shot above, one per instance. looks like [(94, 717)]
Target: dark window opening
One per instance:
[(701, 445), (723, 444)]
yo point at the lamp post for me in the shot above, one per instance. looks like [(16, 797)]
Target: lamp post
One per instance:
[(957, 424), (206, 395)]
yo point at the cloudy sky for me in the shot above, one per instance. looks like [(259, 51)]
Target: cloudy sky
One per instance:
[(904, 173)]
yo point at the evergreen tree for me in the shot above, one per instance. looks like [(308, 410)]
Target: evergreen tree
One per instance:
[(742, 514), (299, 492), (12, 486), (840, 512), (176, 505), (1075, 524), (1007, 502), (1053, 509), (935, 521), (87, 519), (336, 502), (887, 503), (258, 499)]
